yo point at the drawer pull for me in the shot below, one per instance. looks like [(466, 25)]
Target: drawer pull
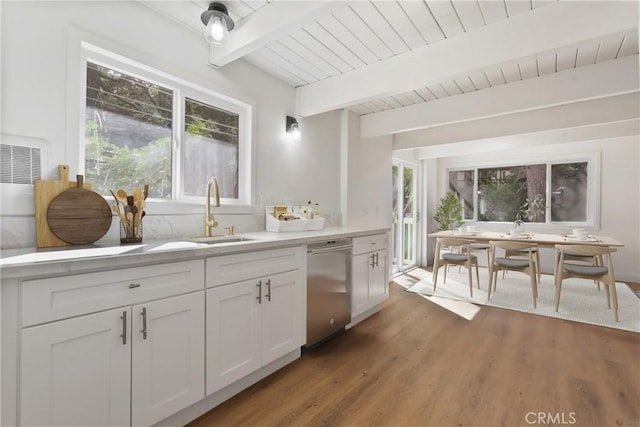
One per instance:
[(134, 285), (259, 297), (144, 323), (373, 260), (268, 290), (124, 328)]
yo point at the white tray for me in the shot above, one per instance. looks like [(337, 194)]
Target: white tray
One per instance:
[(300, 224)]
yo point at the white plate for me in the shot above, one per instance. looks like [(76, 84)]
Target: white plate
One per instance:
[(467, 233), (588, 239)]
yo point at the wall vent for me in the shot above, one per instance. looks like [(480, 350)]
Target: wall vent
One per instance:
[(18, 164)]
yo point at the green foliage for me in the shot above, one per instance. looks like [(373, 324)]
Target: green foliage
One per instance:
[(449, 213), (196, 128), (503, 201), (110, 167), (531, 209)]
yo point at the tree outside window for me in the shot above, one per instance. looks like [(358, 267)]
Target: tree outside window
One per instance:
[(131, 124), (504, 193)]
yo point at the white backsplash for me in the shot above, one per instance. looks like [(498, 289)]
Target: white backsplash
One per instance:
[(19, 231)]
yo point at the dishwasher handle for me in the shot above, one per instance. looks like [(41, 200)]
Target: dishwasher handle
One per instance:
[(329, 249)]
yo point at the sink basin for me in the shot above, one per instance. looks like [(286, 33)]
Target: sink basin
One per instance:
[(219, 239)]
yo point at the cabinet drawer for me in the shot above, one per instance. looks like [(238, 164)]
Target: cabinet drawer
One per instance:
[(366, 244), (44, 300), (235, 268)]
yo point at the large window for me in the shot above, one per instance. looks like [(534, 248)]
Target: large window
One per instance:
[(143, 127), (568, 190)]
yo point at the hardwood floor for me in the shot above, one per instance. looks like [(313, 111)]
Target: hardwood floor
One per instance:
[(417, 364)]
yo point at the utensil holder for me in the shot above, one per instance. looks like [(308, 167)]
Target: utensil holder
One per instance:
[(130, 232)]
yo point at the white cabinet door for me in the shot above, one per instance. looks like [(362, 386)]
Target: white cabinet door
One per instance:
[(281, 315), (167, 357), (233, 332), (76, 372), (378, 287), (360, 266)]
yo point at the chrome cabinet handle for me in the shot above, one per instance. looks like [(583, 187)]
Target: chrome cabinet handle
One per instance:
[(377, 257), (134, 285), (124, 328), (373, 260), (144, 323), (259, 297), (268, 290)]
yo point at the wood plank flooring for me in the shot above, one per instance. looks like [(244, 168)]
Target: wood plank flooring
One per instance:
[(417, 364)]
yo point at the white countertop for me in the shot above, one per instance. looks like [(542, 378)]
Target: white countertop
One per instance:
[(29, 262)]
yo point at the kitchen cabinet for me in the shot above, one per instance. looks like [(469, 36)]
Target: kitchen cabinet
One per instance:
[(130, 364), (257, 316), (369, 273)]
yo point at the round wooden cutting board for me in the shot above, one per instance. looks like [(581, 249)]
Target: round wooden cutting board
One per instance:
[(79, 216)]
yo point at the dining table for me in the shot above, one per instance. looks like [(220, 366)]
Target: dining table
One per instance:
[(543, 240)]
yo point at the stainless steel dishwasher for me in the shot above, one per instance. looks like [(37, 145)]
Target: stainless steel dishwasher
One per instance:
[(328, 289)]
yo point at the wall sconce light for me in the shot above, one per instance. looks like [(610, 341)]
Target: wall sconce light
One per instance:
[(218, 23), (293, 129)]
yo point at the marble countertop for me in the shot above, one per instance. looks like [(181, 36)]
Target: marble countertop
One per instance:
[(32, 262)]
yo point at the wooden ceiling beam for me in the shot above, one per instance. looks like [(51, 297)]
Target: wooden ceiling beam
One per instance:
[(574, 85), (518, 129), (543, 29), (267, 24)]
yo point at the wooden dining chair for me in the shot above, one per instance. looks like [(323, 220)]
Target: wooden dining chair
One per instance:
[(524, 265), (454, 251), (593, 260), (525, 253), (601, 273)]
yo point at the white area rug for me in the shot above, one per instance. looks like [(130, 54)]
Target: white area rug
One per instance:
[(580, 300)]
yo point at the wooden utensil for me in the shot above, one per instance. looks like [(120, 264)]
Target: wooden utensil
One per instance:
[(121, 195), (79, 216), (44, 192)]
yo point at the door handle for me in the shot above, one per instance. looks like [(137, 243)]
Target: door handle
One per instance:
[(124, 327), (268, 290), (259, 297), (144, 323)]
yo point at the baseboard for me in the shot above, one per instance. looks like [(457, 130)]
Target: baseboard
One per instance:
[(362, 316), (208, 403)]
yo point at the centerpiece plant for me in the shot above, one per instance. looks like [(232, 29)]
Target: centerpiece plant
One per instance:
[(532, 209)]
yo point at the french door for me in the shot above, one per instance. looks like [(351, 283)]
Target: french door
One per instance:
[(404, 233)]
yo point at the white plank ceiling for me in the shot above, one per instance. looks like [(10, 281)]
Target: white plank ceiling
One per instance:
[(331, 39)]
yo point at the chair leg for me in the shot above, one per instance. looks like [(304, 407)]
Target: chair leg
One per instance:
[(558, 288), (534, 291), (538, 265), (490, 280), (598, 261), (614, 297), (445, 273), (435, 278), (470, 281), (477, 276), (606, 290)]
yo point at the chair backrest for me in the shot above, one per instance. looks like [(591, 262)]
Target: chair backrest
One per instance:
[(454, 241), (585, 250), (512, 246)]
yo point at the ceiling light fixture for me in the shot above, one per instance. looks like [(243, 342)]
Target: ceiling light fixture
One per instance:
[(218, 23), (293, 129)]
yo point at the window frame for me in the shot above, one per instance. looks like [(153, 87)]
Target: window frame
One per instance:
[(181, 90), (593, 160)]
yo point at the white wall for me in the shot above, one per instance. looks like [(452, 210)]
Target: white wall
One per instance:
[(40, 42), (619, 198), (368, 185)]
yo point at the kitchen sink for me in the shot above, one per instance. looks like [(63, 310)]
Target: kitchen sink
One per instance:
[(219, 239)]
